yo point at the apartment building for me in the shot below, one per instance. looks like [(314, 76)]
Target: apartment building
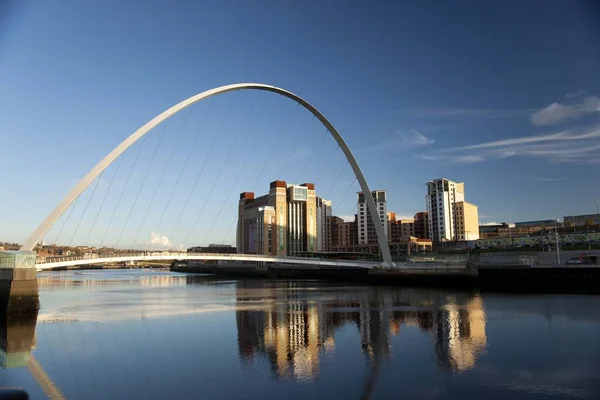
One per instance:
[(451, 218), (323, 212), (366, 228)]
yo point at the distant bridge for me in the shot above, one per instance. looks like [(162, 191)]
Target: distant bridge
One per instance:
[(61, 262)]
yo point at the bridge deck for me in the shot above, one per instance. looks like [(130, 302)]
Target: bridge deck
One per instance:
[(75, 261)]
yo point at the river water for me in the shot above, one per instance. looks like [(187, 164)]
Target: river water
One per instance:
[(155, 334)]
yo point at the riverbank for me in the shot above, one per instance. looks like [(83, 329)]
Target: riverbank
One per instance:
[(503, 279), (458, 277)]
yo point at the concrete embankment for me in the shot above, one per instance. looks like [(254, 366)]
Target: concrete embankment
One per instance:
[(504, 278), (430, 275), (523, 279)]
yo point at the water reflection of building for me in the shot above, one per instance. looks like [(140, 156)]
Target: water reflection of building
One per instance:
[(460, 335), (17, 339), (458, 332), (290, 328), (84, 280)]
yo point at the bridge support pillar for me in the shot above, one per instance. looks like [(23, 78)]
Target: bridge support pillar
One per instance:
[(18, 282)]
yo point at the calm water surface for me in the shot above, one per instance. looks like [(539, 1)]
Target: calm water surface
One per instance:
[(155, 334)]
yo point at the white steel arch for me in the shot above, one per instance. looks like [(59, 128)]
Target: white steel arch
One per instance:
[(113, 155)]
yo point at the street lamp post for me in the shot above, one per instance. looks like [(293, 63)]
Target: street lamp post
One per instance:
[(557, 246)]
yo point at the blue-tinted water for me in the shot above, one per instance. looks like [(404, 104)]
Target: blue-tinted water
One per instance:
[(154, 334)]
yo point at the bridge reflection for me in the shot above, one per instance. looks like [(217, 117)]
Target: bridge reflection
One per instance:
[(290, 326), (17, 341)]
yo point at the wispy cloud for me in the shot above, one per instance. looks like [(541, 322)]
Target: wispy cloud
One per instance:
[(551, 179), (556, 113), (579, 146), (414, 138), (170, 177), (573, 95), (400, 141), (302, 152), (550, 115), (449, 112), (470, 158)]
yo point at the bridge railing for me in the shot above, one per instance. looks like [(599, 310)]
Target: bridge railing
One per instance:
[(175, 255)]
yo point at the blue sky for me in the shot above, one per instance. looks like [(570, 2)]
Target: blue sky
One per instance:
[(503, 96)]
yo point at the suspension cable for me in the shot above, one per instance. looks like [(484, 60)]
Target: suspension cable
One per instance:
[(104, 199), (239, 134), (287, 161), (345, 194), (329, 160), (163, 173), (86, 207), (66, 220), (273, 152), (205, 162), (159, 182), (337, 179), (187, 158), (229, 230), (262, 170), (196, 180), (312, 154), (143, 182), (240, 171), (123, 191)]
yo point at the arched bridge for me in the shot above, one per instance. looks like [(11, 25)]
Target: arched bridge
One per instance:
[(61, 262), (93, 174)]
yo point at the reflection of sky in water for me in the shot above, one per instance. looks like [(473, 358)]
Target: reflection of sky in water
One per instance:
[(152, 334)]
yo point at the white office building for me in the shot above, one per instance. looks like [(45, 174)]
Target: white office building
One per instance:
[(366, 229), (451, 218), (323, 211)]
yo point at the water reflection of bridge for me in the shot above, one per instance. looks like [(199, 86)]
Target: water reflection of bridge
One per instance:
[(17, 340), (291, 326)]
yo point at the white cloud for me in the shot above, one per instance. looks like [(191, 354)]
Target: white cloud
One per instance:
[(399, 141), (557, 112), (158, 241), (579, 146)]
